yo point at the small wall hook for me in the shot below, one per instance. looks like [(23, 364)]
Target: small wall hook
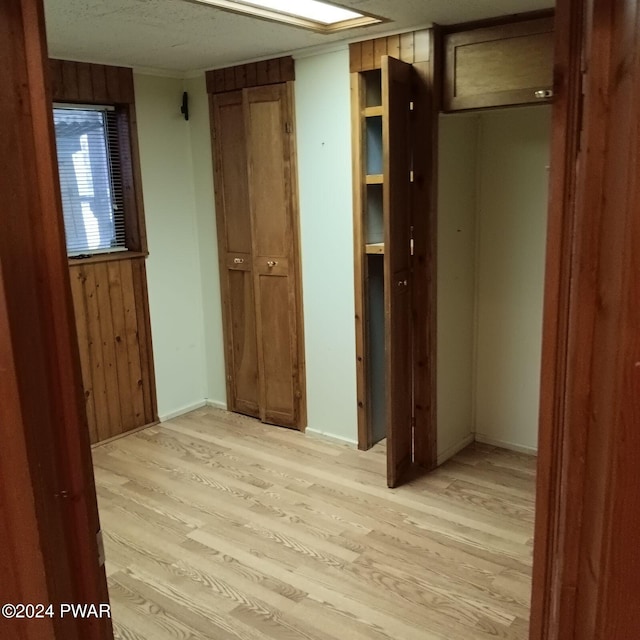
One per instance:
[(184, 109)]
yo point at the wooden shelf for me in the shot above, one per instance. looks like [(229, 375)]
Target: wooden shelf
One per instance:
[(375, 249), (373, 112), (375, 179)]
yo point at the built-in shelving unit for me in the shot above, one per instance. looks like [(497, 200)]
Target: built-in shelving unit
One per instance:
[(392, 99), (368, 118)]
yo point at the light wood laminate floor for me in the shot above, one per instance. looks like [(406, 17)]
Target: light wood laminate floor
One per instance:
[(218, 527)]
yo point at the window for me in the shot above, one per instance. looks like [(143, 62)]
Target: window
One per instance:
[(90, 179)]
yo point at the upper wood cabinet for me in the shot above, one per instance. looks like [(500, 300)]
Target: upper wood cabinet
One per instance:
[(498, 66)]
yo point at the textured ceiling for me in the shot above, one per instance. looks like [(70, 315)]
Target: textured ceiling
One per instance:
[(177, 35)]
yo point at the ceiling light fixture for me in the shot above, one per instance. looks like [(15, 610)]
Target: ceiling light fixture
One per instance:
[(319, 16)]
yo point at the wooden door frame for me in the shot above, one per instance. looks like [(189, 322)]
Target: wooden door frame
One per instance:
[(584, 574), (63, 456), (553, 440), (47, 493)]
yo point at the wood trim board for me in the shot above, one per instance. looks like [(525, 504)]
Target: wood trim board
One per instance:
[(90, 83), (411, 47), (253, 74)]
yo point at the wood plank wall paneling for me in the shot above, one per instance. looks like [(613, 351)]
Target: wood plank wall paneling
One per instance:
[(91, 83), (112, 327), (253, 74), (411, 47)]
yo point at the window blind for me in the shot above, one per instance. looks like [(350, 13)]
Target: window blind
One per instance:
[(88, 152)]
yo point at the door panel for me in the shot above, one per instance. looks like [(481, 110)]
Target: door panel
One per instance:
[(278, 350), (236, 267), (271, 177), (233, 171), (269, 158), (396, 98), (245, 355)]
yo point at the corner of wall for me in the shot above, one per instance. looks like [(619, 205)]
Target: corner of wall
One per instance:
[(202, 172), (173, 266)]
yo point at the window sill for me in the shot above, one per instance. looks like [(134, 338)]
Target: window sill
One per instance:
[(108, 257)]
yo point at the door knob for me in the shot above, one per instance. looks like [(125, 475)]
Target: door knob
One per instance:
[(271, 264)]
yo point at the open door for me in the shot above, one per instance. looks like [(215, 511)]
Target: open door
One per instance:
[(396, 104)]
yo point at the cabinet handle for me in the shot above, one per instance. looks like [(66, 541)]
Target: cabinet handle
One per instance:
[(403, 283), (543, 94), (271, 264), (238, 261)]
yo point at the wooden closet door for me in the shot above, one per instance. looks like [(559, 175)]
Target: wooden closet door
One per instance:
[(235, 253), (272, 188), (396, 101)]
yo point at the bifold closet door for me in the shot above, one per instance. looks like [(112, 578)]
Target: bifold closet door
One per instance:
[(235, 254), (256, 210), (273, 195), (396, 104)]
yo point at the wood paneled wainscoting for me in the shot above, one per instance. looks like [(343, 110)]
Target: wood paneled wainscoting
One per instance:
[(114, 341)]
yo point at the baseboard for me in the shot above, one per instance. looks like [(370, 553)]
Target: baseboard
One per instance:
[(217, 404), (447, 454), (125, 434), (331, 436), (480, 437), (180, 412)]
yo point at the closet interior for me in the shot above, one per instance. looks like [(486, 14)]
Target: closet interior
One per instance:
[(493, 170)]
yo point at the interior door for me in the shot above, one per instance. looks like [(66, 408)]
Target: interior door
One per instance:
[(396, 102), (236, 265), (272, 191)]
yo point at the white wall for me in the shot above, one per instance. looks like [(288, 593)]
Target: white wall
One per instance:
[(512, 215), (173, 267), (493, 192), (457, 201), (202, 167), (323, 116)]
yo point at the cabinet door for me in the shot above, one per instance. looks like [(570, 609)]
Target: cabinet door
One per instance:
[(234, 241), (272, 198), (396, 99), (499, 66)]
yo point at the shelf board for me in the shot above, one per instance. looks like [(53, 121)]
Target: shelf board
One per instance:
[(373, 112), (375, 249), (377, 178)]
